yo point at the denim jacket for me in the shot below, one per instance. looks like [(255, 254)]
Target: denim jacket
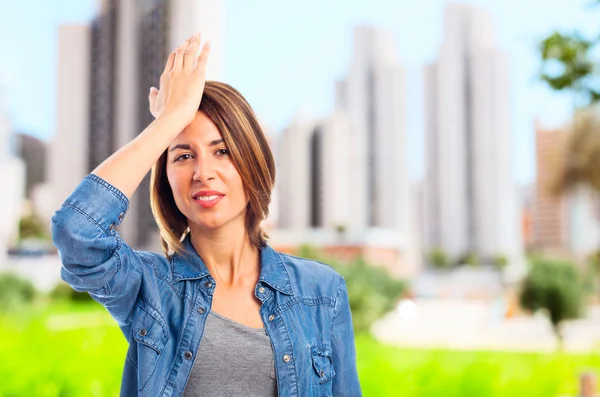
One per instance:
[(161, 304)]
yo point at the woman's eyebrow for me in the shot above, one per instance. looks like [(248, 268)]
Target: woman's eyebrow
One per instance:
[(184, 146), (216, 142)]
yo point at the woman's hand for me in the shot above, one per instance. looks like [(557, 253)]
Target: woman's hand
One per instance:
[(181, 83)]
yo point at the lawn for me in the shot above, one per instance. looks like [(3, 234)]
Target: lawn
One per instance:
[(76, 350)]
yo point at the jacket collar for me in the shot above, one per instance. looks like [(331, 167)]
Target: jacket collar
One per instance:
[(189, 266)]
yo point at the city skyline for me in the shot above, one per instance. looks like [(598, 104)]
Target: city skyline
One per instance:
[(262, 68)]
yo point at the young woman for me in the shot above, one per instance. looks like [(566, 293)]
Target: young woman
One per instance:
[(220, 313)]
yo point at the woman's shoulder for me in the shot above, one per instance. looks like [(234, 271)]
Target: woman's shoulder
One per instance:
[(310, 275), (156, 261)]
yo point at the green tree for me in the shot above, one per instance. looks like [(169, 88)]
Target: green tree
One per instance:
[(569, 63), (556, 288)]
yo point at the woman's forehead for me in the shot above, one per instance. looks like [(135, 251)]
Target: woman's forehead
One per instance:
[(202, 133)]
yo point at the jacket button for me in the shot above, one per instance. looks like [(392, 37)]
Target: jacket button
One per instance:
[(201, 310), (187, 355), (208, 284), (271, 317), (143, 332), (121, 216), (261, 290), (287, 358)]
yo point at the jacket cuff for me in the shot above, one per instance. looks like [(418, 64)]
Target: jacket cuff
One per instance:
[(99, 200)]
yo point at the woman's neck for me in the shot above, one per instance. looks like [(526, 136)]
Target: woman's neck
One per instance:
[(229, 255)]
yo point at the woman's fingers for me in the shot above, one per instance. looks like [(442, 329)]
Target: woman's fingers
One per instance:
[(190, 53), (180, 54), (169, 64), (203, 57), (181, 92), (152, 97)]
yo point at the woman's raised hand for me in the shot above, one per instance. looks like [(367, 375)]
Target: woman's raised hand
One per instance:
[(181, 83)]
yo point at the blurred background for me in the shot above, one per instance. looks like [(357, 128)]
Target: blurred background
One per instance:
[(443, 156)]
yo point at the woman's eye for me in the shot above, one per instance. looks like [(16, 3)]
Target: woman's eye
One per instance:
[(182, 157), (222, 152)]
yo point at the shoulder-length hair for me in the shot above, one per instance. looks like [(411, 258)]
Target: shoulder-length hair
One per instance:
[(251, 155)]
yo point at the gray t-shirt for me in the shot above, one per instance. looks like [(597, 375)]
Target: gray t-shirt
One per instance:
[(233, 360)]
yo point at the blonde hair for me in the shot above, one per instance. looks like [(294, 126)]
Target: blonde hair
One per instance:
[(250, 153)]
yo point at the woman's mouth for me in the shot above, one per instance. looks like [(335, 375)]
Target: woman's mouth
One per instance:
[(208, 201)]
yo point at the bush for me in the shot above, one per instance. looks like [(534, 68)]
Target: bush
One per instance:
[(469, 259), (63, 291), (500, 261), (32, 227), (14, 292), (371, 290), (438, 259), (555, 287)]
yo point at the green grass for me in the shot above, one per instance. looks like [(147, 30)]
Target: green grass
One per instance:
[(77, 350), (391, 371), (42, 358)]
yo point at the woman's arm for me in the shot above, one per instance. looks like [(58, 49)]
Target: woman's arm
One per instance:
[(94, 257), (174, 106), (345, 381)]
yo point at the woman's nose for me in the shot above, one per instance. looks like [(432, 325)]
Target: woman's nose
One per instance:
[(204, 169)]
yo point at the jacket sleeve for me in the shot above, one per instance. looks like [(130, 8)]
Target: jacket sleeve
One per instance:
[(345, 381), (93, 256)]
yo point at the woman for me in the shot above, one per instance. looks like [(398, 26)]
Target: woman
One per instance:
[(221, 313)]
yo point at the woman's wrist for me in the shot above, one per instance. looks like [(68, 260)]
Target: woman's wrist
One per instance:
[(173, 123)]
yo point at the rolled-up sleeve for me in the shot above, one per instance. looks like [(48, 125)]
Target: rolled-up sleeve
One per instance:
[(94, 258), (345, 382)]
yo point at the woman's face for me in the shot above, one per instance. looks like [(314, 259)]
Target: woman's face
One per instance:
[(206, 186)]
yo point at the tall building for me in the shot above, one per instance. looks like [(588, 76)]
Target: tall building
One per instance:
[(471, 195), (550, 223), (69, 148), (343, 179), (122, 54), (562, 223), (33, 153), (12, 180), (350, 169), (293, 174), (314, 183), (373, 96)]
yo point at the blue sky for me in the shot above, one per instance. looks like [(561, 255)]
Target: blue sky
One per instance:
[(285, 56)]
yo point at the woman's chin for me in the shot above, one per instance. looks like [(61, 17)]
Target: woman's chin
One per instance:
[(209, 223)]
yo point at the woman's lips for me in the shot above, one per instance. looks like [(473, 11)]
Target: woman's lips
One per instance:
[(206, 203)]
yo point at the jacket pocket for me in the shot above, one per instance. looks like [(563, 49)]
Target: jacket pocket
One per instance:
[(322, 362), (151, 338)]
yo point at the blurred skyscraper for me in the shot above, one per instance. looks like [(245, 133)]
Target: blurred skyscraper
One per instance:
[(105, 73), (12, 180), (33, 152), (368, 179), (563, 223), (549, 210), (313, 168), (347, 173), (471, 195), (373, 96)]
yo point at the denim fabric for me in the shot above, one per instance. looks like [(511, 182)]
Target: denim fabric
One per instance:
[(161, 304)]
